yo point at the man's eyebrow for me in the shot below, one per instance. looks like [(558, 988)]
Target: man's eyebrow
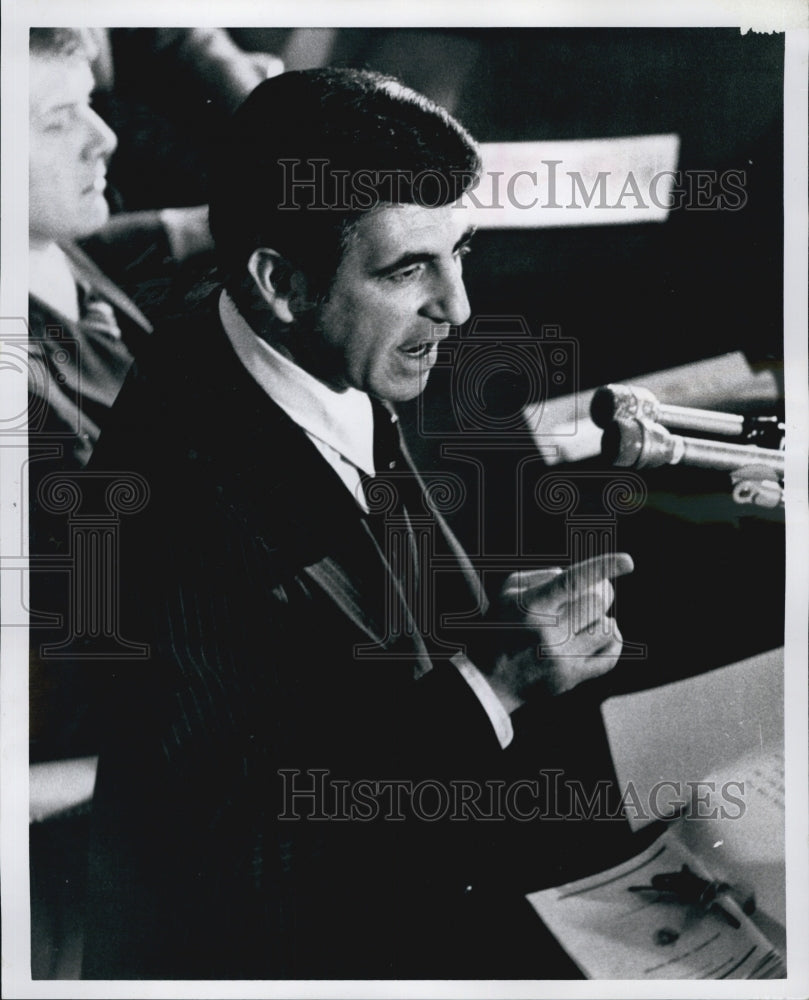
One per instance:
[(55, 110), (408, 259), (71, 102), (59, 107), (466, 236)]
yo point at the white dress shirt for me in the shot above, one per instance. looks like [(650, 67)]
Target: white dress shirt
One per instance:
[(51, 280), (340, 425)]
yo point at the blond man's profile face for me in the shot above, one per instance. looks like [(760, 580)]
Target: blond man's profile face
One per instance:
[(69, 147)]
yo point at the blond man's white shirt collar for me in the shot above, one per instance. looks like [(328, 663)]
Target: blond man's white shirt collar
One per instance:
[(51, 280), (341, 426)]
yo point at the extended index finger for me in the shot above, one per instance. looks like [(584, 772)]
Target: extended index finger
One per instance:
[(589, 573)]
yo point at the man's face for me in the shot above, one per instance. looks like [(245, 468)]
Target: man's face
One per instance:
[(69, 149), (396, 292)]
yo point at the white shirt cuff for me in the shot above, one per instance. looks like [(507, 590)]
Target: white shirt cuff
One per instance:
[(492, 706)]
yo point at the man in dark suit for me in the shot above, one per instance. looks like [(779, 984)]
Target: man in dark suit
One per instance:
[(84, 327), (84, 330), (71, 301), (322, 659)]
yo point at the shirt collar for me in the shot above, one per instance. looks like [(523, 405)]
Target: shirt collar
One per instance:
[(52, 281), (342, 420)]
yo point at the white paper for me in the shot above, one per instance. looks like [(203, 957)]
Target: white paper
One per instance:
[(682, 733), (614, 933)]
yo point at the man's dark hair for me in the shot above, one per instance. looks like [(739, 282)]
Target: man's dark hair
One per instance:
[(309, 152), (61, 42)]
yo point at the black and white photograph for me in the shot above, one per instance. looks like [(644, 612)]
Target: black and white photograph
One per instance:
[(403, 440)]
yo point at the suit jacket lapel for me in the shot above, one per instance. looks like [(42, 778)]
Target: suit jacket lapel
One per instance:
[(335, 581), (86, 270)]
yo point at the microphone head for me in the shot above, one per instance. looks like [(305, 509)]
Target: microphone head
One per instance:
[(603, 405), (617, 402), (622, 443), (638, 444)]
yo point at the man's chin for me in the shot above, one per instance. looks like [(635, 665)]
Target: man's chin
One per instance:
[(95, 218), (401, 393)]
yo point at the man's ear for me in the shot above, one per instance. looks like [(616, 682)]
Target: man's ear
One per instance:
[(282, 288)]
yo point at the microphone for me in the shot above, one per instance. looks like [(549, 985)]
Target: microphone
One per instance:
[(638, 443), (626, 402)]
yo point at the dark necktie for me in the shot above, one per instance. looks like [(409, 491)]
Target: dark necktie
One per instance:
[(391, 496), (407, 533)]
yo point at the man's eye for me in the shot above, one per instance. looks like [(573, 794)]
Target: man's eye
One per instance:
[(407, 273), (59, 122), (55, 125)]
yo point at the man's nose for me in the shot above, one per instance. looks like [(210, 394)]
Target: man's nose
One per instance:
[(101, 140), (449, 303)]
